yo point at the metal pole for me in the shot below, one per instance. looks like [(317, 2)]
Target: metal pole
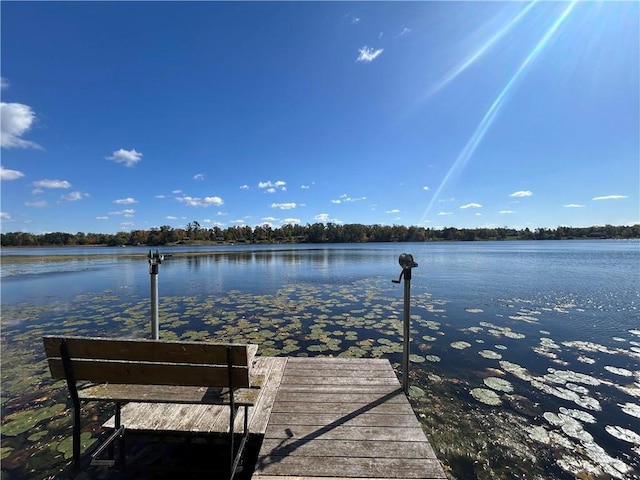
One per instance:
[(153, 271), (406, 331), (406, 262)]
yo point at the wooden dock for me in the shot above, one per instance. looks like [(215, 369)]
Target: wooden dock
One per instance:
[(316, 417)]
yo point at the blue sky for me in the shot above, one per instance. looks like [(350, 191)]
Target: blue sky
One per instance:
[(121, 116)]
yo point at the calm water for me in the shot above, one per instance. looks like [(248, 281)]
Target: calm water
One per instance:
[(557, 323)]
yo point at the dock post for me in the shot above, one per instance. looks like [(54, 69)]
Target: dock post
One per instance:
[(155, 260), (406, 262)]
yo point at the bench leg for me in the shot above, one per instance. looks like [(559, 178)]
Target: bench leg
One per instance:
[(76, 437)]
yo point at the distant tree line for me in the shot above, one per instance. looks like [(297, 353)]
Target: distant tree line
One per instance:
[(193, 233)]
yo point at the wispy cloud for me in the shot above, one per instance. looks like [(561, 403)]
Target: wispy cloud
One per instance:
[(506, 212), (521, 193), (200, 202), (404, 32), (573, 205), (425, 188), (38, 204), (610, 197), (395, 210), (273, 187), (344, 198), (445, 213), (4, 83), (125, 201), (102, 217), (128, 212), (127, 157), (17, 120), (471, 205), (244, 187), (6, 174), (284, 206), (74, 196), (368, 54), (171, 217), (198, 176), (291, 221), (51, 184), (5, 216)]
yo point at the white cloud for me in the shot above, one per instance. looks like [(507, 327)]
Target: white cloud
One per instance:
[(6, 174), (127, 212), (128, 157), (125, 201), (521, 193), (171, 217), (239, 222), (471, 205), (198, 176), (395, 210), (102, 217), (5, 216), (74, 196), (506, 212), (368, 54), (176, 191), (425, 188), (161, 196), (346, 198), (355, 20), (269, 219), (273, 187), (126, 224), (38, 204), (284, 206), (305, 187), (444, 213), (610, 197), (4, 83), (244, 187), (16, 120), (200, 202), (51, 184), (404, 31), (291, 221), (573, 205)]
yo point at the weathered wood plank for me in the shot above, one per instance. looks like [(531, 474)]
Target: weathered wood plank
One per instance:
[(307, 477), (339, 380), (395, 396), (167, 394), (355, 420), (347, 448), (143, 350), (341, 432), (352, 467), (338, 389), (343, 408), (272, 368)]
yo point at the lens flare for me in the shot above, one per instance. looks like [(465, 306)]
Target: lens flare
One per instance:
[(492, 112), (452, 74)]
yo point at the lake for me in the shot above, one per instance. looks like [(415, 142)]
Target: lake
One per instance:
[(525, 356)]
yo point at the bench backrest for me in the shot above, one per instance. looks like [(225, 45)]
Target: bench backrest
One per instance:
[(151, 362)]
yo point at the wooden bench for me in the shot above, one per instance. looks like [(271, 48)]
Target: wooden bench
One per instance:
[(126, 370)]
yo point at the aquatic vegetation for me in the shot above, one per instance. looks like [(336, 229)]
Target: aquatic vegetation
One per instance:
[(490, 354), (499, 384), (460, 345), (486, 396)]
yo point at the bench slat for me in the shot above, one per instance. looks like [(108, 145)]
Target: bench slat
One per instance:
[(167, 394), (150, 350), (100, 371)]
